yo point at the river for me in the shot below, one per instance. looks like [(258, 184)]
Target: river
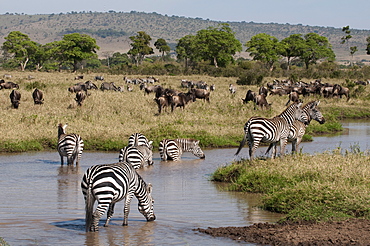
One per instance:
[(42, 203)]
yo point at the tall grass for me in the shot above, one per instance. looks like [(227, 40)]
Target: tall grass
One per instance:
[(329, 186), (107, 119)]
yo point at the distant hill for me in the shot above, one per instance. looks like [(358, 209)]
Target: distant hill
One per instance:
[(112, 29)]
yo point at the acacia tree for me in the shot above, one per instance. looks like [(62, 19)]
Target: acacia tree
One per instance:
[(162, 46), (316, 47), (292, 47), (346, 38), (217, 45), (73, 49), (140, 47), (265, 48), (20, 46), (185, 49), (368, 45)]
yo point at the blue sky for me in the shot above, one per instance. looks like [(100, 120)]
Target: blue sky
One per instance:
[(327, 13)]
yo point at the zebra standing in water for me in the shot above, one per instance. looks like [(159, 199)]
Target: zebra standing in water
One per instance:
[(69, 145), (138, 139), (258, 129), (138, 151), (172, 149), (298, 128), (109, 184)]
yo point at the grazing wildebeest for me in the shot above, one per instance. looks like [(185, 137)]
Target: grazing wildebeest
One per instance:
[(108, 86), (80, 97), (249, 96), (88, 84), (15, 97), (260, 101), (200, 94), (99, 77), (38, 96), (293, 97), (77, 88), (162, 102), (339, 90), (8, 85), (150, 89), (180, 100), (279, 92)]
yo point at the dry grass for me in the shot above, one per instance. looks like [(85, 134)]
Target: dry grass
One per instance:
[(113, 116)]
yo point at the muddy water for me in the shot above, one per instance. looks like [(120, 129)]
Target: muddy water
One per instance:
[(42, 204)]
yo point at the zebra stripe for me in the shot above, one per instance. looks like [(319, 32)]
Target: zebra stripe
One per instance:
[(258, 129), (69, 145), (137, 156), (109, 184), (313, 113), (172, 149), (138, 139)]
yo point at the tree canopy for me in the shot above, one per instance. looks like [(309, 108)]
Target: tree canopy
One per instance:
[(140, 47)]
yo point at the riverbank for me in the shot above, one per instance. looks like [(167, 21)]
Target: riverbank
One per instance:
[(106, 119)]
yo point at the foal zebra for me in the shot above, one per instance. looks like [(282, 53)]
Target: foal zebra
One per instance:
[(258, 129), (172, 149), (298, 129), (137, 156), (109, 184), (69, 145)]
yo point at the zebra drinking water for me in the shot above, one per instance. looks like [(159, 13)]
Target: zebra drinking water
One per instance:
[(258, 129), (172, 149), (69, 145), (109, 184), (137, 156)]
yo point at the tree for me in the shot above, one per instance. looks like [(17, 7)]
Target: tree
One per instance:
[(316, 47), (265, 48), (217, 45), (346, 38), (292, 47), (73, 49), (20, 46), (185, 49), (368, 45), (140, 47), (162, 46)]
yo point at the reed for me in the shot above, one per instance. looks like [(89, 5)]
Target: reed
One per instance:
[(107, 119)]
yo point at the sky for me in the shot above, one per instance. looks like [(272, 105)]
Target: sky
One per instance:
[(326, 13)]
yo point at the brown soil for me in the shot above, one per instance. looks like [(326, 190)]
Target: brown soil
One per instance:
[(349, 232)]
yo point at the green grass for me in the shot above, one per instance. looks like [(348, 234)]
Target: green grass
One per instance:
[(328, 186)]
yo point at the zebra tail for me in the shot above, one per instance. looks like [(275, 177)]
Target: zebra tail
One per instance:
[(89, 206), (242, 143)]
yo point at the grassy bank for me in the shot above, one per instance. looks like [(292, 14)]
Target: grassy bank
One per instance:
[(107, 119), (329, 186)]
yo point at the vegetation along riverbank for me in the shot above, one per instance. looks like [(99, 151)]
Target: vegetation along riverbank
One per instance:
[(107, 118)]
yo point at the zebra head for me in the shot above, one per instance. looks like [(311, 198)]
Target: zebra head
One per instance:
[(62, 129), (146, 204), (313, 112), (197, 151)]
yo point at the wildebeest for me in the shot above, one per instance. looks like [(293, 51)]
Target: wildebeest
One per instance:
[(38, 96), (162, 102), (77, 88), (339, 90), (79, 77), (180, 100), (232, 89), (99, 77), (249, 97), (260, 101), (200, 94), (15, 97), (80, 97), (263, 90), (293, 97), (8, 85), (108, 86), (150, 89), (212, 87), (88, 84)]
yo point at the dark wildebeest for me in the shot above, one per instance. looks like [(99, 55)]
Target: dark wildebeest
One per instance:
[(180, 100), (99, 77), (150, 89), (162, 102), (15, 97), (339, 90), (77, 88), (200, 94), (88, 84), (260, 101), (212, 87), (80, 97), (8, 85), (187, 83), (38, 96), (249, 96), (293, 97), (279, 92), (108, 86)]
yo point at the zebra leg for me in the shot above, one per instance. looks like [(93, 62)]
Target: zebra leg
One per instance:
[(283, 142), (126, 209), (294, 146), (110, 213), (274, 150), (61, 160), (100, 210)]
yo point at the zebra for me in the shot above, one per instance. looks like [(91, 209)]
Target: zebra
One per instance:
[(69, 145), (172, 149), (258, 129), (109, 184), (138, 139), (137, 156), (298, 128)]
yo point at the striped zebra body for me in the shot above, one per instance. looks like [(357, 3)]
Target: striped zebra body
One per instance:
[(138, 139), (172, 149), (69, 145), (137, 156), (277, 129), (109, 184)]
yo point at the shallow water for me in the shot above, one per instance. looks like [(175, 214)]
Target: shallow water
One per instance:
[(42, 204)]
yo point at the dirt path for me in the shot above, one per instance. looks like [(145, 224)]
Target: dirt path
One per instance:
[(349, 232)]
